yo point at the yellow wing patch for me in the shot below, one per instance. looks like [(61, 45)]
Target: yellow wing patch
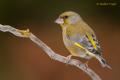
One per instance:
[(92, 41), (77, 44), (87, 52)]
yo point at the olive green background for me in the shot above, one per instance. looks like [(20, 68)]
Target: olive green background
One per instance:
[(20, 59)]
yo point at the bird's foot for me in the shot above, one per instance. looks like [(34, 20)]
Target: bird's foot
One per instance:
[(86, 65), (68, 59)]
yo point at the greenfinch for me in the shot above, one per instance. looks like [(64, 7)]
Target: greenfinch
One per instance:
[(79, 38)]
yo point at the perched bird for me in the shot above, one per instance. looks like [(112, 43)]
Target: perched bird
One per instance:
[(79, 38)]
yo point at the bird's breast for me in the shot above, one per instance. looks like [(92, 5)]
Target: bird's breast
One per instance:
[(74, 50)]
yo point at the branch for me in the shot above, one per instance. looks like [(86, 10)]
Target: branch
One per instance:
[(49, 51)]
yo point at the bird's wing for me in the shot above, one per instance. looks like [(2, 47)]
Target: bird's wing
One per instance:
[(88, 42)]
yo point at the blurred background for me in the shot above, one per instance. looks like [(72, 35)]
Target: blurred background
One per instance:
[(20, 59)]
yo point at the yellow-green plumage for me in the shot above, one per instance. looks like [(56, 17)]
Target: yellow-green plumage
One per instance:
[(79, 38), (72, 30)]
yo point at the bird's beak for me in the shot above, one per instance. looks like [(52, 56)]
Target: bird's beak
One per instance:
[(59, 21)]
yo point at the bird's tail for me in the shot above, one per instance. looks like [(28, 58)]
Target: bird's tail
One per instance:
[(103, 62)]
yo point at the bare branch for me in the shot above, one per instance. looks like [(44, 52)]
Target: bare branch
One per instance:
[(49, 51)]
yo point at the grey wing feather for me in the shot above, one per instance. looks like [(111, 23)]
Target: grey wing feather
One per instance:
[(84, 41)]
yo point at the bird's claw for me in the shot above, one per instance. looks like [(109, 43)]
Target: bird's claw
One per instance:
[(86, 65), (68, 59)]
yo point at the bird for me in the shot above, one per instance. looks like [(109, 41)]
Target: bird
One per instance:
[(79, 38)]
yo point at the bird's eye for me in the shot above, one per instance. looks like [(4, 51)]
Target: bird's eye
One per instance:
[(65, 17)]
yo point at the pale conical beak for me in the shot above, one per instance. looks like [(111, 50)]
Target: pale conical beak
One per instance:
[(59, 21)]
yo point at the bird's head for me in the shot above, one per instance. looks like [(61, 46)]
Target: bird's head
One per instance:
[(68, 18)]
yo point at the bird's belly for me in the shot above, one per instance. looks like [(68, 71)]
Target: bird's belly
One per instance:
[(75, 50)]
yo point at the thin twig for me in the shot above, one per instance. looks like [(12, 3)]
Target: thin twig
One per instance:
[(49, 51)]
